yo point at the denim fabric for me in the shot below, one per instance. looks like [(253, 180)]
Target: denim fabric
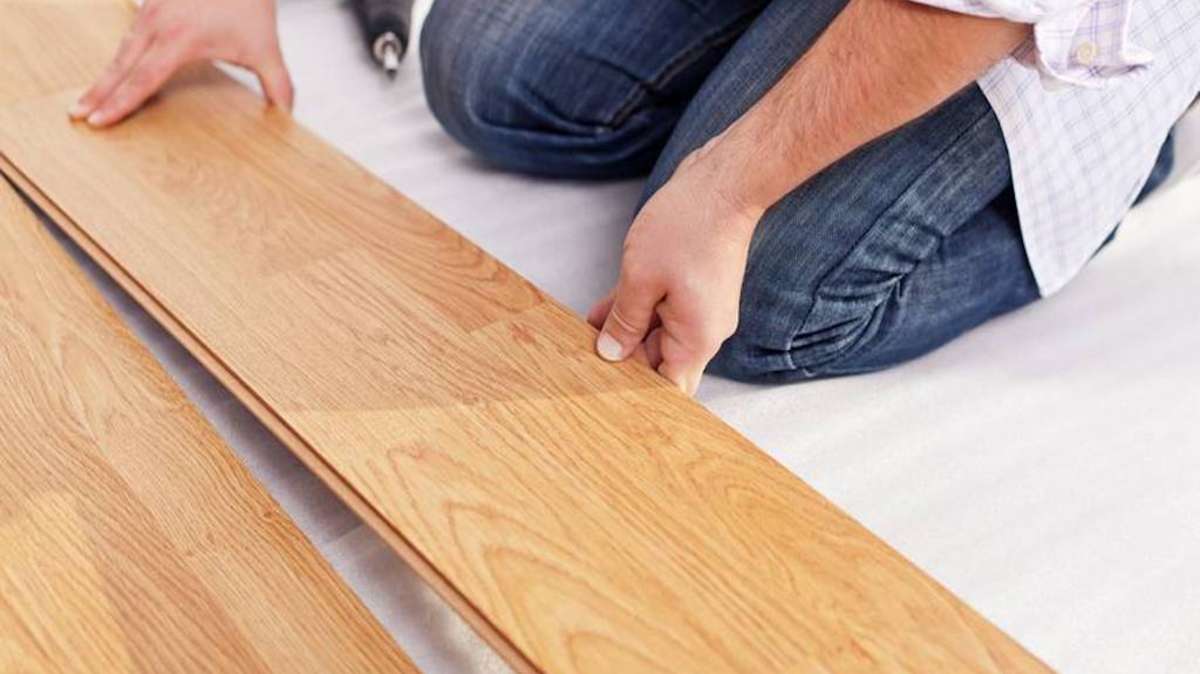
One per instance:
[(894, 250), (573, 88)]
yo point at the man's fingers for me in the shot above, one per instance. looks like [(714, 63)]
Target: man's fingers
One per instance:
[(149, 74), (687, 347), (653, 344), (275, 81), (630, 317), (128, 55), (681, 364), (685, 377)]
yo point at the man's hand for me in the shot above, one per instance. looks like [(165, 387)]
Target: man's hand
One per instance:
[(169, 34), (681, 275)]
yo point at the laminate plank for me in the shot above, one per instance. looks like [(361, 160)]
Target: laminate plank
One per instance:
[(131, 539), (584, 517), (52, 45)]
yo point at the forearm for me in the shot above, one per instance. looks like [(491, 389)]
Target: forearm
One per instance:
[(879, 65)]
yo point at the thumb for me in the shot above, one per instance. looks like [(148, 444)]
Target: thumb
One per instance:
[(629, 319), (275, 81)]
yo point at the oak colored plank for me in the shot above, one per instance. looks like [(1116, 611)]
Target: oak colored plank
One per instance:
[(131, 538), (584, 517)]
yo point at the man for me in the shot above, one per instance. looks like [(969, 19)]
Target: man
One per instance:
[(835, 186)]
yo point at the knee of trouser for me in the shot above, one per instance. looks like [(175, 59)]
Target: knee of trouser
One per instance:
[(510, 82)]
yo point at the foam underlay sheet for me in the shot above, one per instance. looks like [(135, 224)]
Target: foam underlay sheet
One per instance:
[(1046, 467)]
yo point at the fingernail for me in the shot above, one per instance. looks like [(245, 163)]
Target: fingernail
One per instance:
[(95, 119), (608, 348), (77, 109)]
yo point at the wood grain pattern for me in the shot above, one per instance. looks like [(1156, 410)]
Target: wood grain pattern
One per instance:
[(584, 517), (52, 45), (131, 539)]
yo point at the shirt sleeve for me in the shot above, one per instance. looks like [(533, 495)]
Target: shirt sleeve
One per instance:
[(1075, 42)]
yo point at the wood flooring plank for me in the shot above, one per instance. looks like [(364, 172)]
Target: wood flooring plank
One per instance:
[(52, 45), (584, 517), (131, 538)]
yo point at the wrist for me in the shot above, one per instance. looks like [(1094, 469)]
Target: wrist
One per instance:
[(755, 171), (726, 180)]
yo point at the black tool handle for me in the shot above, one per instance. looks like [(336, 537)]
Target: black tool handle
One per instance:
[(378, 17)]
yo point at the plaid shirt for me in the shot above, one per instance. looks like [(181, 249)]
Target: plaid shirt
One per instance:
[(1085, 107)]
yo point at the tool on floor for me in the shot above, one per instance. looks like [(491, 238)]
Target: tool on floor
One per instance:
[(385, 25)]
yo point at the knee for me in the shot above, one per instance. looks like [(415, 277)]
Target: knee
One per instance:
[(463, 59), (511, 82)]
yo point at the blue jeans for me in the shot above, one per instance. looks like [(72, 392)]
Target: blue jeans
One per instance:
[(899, 247)]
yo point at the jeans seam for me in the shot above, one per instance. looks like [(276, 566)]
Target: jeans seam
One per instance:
[(857, 247)]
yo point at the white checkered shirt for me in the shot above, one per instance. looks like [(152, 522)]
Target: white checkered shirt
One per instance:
[(1085, 107)]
